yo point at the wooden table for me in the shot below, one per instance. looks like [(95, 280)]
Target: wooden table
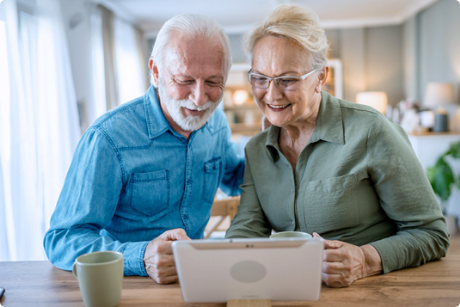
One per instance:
[(433, 284)]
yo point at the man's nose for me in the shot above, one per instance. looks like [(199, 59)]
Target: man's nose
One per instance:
[(198, 95)]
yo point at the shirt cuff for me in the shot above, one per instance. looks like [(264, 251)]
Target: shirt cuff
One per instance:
[(388, 252), (134, 259)]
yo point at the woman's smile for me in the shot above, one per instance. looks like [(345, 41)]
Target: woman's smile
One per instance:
[(278, 108)]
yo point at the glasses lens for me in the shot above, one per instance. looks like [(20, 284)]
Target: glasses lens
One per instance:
[(258, 81), (288, 83)]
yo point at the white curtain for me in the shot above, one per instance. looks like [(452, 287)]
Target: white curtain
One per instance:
[(5, 140), (124, 63), (130, 75), (97, 64), (39, 129)]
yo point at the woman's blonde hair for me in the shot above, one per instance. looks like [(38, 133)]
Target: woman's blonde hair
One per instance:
[(297, 24)]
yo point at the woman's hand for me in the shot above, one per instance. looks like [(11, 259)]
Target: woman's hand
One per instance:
[(344, 263)]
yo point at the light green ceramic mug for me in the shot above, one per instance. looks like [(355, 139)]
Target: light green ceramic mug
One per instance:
[(100, 276), (290, 234)]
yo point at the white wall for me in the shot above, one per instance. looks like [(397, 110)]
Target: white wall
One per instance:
[(236, 48), (439, 45), (410, 52), (385, 62), (77, 14), (353, 55), (372, 60)]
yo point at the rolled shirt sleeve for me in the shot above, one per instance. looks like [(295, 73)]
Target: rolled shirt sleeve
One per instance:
[(87, 205), (406, 197)]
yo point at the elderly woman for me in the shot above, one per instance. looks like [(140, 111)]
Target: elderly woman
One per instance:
[(330, 167)]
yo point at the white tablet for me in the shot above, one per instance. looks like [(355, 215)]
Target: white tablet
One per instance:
[(241, 269)]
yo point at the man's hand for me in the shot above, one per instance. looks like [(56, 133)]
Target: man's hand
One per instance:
[(344, 263), (158, 257)]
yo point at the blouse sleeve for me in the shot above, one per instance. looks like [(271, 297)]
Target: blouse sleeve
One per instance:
[(407, 198), (250, 221)]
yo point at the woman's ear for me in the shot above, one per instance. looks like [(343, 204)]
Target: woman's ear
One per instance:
[(322, 77)]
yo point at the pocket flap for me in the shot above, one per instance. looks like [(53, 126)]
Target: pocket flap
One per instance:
[(212, 167), (150, 176)]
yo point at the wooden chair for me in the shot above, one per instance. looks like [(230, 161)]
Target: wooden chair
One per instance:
[(221, 208)]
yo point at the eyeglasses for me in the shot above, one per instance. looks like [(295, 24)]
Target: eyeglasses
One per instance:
[(283, 83)]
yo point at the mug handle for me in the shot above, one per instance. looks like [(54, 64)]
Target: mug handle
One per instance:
[(74, 270)]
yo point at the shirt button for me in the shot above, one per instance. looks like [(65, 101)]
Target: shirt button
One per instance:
[(185, 216), (292, 222), (292, 191)]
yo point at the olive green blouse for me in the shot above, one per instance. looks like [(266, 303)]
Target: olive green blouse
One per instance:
[(357, 180)]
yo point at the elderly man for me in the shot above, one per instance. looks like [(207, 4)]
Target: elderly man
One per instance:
[(145, 173)]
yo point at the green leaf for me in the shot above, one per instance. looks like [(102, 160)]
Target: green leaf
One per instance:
[(455, 150), (443, 179), (431, 174)]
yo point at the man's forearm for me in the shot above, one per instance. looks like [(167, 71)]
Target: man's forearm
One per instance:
[(63, 246)]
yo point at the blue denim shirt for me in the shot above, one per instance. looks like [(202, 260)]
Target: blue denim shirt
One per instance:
[(133, 177)]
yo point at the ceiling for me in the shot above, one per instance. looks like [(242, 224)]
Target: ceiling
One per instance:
[(236, 16)]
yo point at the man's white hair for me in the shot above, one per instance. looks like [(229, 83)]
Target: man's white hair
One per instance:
[(194, 25)]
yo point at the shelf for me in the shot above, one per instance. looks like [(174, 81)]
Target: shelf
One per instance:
[(240, 86), (246, 129), (430, 133), (245, 107)]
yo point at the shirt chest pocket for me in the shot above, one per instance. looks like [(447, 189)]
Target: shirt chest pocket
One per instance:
[(211, 178), (330, 204), (150, 193)]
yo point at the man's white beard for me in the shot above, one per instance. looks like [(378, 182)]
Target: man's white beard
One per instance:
[(187, 123)]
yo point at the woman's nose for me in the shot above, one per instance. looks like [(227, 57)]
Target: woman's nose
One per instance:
[(273, 93)]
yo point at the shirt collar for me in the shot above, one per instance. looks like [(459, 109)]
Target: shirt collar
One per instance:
[(156, 121), (329, 126), (272, 142), (157, 124)]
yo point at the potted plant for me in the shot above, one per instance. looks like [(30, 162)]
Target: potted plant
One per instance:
[(442, 179)]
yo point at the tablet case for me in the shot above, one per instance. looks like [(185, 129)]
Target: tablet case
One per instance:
[(236, 269)]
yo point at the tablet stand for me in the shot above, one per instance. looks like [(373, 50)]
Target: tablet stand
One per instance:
[(249, 303)]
